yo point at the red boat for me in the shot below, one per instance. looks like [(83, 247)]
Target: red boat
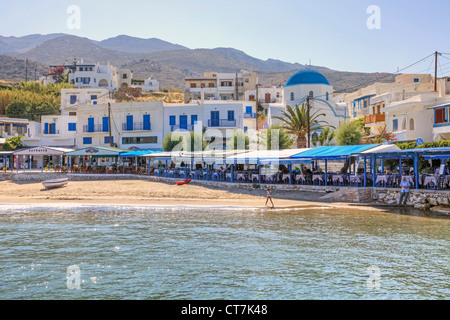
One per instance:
[(183, 182)]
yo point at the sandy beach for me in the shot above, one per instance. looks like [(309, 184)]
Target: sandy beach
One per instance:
[(141, 192)]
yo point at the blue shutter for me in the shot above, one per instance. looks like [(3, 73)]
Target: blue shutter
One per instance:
[(230, 115), (146, 121), (248, 109), (87, 140), (105, 127), (214, 118), (90, 124), (73, 98), (53, 128), (107, 139), (46, 128), (183, 122), (194, 119), (129, 123), (172, 120)]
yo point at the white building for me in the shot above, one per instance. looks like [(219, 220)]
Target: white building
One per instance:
[(148, 85), (303, 83), (95, 75), (71, 99)]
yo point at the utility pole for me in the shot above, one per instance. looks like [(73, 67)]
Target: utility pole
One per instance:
[(109, 124), (26, 70), (257, 109), (236, 88), (435, 70), (35, 71), (308, 120)]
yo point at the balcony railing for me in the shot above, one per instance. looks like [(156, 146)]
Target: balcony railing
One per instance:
[(136, 126), (94, 128), (250, 115), (177, 127), (221, 123), (374, 118), (54, 132)]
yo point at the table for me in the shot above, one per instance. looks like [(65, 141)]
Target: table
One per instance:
[(356, 179), (255, 176), (317, 177), (240, 176), (285, 176), (300, 177), (381, 178), (215, 175), (269, 177), (447, 180), (338, 177), (429, 179)]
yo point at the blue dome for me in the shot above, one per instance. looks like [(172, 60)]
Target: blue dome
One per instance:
[(306, 76)]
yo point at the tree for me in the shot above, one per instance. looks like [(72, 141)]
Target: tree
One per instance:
[(187, 140), (295, 120), (324, 138), (349, 133), (13, 143), (381, 137), (274, 133), (18, 109), (239, 140)]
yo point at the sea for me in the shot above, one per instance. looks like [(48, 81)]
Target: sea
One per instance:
[(104, 252)]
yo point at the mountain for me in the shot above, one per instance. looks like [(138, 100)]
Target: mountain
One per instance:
[(145, 58), (129, 44), (23, 44), (12, 68)]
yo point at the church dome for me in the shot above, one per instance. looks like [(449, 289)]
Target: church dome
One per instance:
[(306, 76)]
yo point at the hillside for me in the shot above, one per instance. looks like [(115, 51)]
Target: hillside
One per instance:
[(13, 69), (170, 67)]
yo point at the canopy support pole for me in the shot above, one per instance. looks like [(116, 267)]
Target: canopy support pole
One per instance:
[(374, 169), (290, 172), (416, 171), (365, 171), (326, 172), (232, 172)]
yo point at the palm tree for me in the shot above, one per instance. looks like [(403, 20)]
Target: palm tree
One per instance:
[(295, 120)]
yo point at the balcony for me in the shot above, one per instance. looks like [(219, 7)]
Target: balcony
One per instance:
[(136, 126), (250, 115), (374, 118), (93, 129), (221, 123), (177, 127), (51, 133)]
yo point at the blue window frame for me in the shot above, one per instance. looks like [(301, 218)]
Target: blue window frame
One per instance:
[(146, 120), (395, 125), (87, 140), (183, 122), (90, 124), (245, 129), (94, 97), (81, 69), (248, 109), (130, 123), (194, 119), (230, 114), (45, 128), (292, 96), (73, 98), (172, 120), (215, 118), (72, 126), (105, 124), (107, 139)]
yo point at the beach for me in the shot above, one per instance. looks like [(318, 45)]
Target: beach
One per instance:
[(141, 192)]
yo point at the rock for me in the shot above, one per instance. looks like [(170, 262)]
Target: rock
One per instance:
[(432, 201), (424, 206), (442, 200), (441, 209), (381, 196)]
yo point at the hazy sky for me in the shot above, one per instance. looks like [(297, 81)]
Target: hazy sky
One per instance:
[(330, 33)]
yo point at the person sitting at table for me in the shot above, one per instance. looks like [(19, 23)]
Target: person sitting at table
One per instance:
[(309, 176)]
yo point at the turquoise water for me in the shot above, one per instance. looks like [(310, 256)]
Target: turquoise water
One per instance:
[(164, 253)]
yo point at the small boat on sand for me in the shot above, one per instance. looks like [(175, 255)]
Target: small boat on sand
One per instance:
[(183, 182), (56, 183)]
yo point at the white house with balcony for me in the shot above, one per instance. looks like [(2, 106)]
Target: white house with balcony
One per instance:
[(133, 125), (54, 131), (94, 75), (71, 99), (148, 85)]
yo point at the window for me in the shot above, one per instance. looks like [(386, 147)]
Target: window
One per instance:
[(94, 97), (292, 96), (245, 129), (124, 76), (411, 124), (439, 115), (73, 98), (139, 140), (146, 120), (194, 119), (230, 114), (193, 85), (105, 124), (107, 139), (327, 96), (72, 126), (172, 120), (81, 68), (247, 80), (395, 125), (248, 109), (87, 140), (211, 85)]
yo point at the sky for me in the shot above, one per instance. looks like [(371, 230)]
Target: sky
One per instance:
[(344, 35)]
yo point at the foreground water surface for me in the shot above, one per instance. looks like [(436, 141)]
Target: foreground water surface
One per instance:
[(164, 253)]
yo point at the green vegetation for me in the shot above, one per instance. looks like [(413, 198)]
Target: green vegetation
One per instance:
[(349, 133), (324, 138), (295, 120), (12, 143), (187, 140), (435, 144), (30, 100), (284, 138), (239, 140)]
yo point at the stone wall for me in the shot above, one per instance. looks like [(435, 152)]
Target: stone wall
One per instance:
[(421, 199)]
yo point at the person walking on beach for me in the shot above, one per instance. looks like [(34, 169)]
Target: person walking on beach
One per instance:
[(405, 190), (269, 197)]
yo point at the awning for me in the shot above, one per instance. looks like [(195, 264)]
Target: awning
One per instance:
[(98, 152), (333, 152), (426, 153), (42, 151), (258, 156), (138, 153)]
